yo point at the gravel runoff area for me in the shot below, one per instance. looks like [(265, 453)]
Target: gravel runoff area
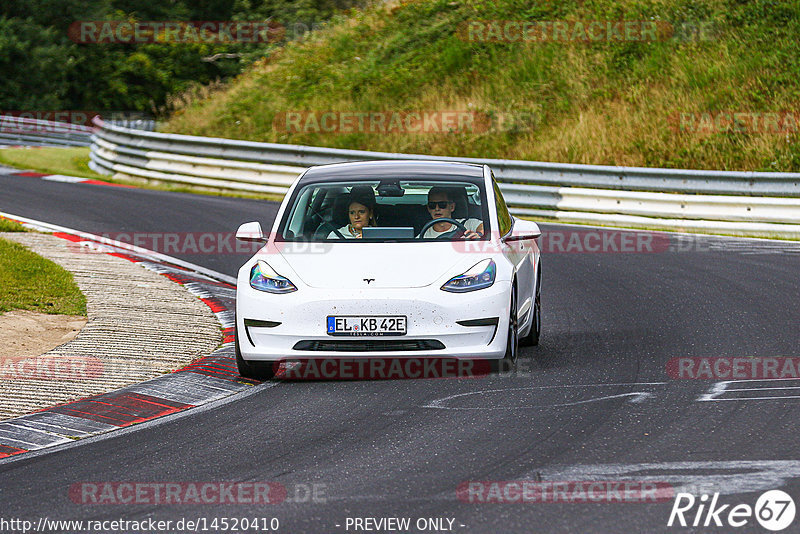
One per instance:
[(140, 325)]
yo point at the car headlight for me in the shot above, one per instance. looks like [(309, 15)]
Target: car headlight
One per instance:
[(264, 278), (480, 276)]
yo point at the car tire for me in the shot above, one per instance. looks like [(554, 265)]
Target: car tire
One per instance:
[(253, 370), (532, 338), (509, 361)]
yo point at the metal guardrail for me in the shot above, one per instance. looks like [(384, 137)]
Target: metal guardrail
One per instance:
[(137, 124), (740, 203), (24, 131), (34, 132)]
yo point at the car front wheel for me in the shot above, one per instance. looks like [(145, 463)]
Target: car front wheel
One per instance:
[(254, 370), (509, 361), (532, 338)]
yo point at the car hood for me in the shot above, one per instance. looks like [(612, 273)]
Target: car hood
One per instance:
[(386, 265)]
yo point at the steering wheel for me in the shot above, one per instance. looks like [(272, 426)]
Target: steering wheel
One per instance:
[(451, 233), (335, 230)]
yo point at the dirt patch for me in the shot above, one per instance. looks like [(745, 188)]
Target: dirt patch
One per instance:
[(25, 334)]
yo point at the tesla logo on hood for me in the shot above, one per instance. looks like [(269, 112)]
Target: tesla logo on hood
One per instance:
[(368, 280)]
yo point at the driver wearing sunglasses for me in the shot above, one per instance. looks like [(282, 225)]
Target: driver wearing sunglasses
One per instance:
[(441, 205)]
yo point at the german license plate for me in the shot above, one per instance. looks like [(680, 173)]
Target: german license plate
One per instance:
[(366, 325)]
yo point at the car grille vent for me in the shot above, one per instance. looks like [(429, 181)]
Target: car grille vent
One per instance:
[(370, 345)]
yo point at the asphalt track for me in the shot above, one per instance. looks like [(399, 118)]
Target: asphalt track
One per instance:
[(593, 402)]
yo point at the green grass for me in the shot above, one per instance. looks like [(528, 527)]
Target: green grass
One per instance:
[(50, 160), (30, 282), (610, 103), (10, 226), (75, 162)]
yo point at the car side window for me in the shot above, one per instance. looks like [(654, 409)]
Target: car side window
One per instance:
[(503, 217)]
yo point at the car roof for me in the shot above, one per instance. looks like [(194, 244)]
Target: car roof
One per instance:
[(420, 169)]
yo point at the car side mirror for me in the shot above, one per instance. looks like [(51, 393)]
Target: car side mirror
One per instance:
[(250, 231), (523, 230)]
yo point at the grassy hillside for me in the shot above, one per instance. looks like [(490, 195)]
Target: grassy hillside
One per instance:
[(615, 102)]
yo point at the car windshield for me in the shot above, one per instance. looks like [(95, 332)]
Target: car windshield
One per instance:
[(386, 210)]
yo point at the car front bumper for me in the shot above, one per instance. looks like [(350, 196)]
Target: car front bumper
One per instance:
[(432, 315)]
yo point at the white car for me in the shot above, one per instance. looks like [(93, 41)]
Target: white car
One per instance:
[(389, 259)]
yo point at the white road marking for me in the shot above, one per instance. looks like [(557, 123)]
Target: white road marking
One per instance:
[(765, 389), (63, 178), (725, 477), (719, 389), (636, 397), (716, 390), (758, 398)]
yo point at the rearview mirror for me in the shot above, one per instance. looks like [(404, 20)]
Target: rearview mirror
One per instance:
[(250, 232)]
